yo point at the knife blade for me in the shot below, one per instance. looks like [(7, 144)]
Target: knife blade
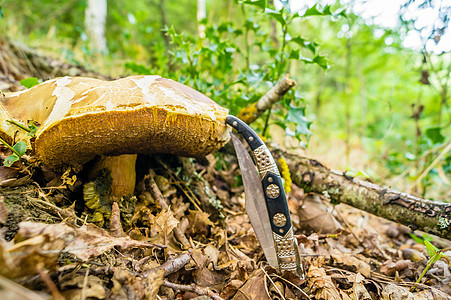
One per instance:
[(274, 227), (253, 193)]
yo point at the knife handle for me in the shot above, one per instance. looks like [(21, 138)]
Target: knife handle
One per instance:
[(246, 132)]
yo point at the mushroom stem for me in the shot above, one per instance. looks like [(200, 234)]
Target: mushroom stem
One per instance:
[(122, 168)]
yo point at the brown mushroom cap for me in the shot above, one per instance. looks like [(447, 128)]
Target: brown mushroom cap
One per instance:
[(84, 117)]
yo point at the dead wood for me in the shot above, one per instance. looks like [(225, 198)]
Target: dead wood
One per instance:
[(251, 113), (430, 216), (19, 61), (171, 266), (192, 288)]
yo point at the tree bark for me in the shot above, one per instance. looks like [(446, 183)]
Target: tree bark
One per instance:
[(95, 20), (251, 113), (430, 216)]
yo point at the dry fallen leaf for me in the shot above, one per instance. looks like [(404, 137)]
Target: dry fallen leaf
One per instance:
[(254, 288), (3, 211), (396, 292), (352, 263), (11, 290), (128, 286), (321, 285), (84, 242), (199, 222), (359, 291), (23, 258), (75, 287), (390, 268), (315, 216), (162, 225)]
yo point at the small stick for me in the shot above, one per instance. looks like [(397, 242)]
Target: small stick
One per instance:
[(192, 288), (85, 285), (272, 282), (50, 284), (429, 168), (152, 186), (171, 266), (251, 113)]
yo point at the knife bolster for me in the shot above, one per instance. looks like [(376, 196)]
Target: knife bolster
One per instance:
[(286, 249)]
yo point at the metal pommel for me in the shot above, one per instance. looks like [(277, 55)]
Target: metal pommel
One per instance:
[(285, 244)]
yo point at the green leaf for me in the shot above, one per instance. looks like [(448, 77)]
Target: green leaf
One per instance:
[(435, 135), (314, 11), (258, 3), (10, 160), (430, 249), (29, 82), (33, 128), (340, 13), (321, 61), (304, 43), (297, 116), (137, 68), (355, 173), (294, 54), (20, 147), (277, 15), (417, 239)]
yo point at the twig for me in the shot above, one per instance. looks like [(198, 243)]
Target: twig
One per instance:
[(293, 285), (171, 266), (251, 113), (152, 186), (85, 285), (188, 193), (50, 285), (192, 288), (275, 286), (428, 169)]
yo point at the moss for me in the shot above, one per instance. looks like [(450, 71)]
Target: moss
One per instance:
[(286, 175), (97, 197), (249, 113)]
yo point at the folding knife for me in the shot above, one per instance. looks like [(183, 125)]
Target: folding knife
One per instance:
[(266, 203)]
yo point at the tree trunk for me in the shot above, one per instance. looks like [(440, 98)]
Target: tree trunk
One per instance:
[(201, 14), (417, 213), (95, 20)]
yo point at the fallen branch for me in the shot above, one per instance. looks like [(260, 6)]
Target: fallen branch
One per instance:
[(252, 112), (417, 213), (192, 288), (20, 61)]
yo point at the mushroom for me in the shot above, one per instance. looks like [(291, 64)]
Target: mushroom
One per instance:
[(83, 117)]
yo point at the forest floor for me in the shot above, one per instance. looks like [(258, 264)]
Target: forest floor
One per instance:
[(53, 245)]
